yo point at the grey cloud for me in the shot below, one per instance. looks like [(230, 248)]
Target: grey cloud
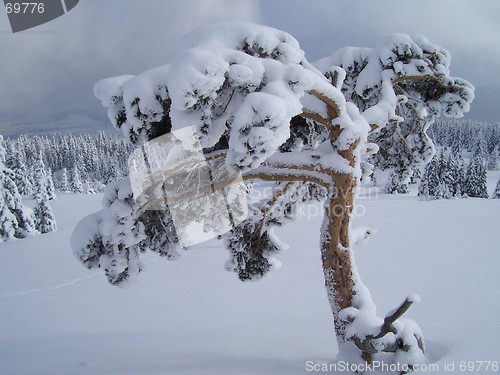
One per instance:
[(53, 68)]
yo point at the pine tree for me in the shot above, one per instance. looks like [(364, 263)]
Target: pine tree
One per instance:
[(496, 193), (416, 176), (44, 217), (8, 222), (403, 140), (392, 184), (64, 183), (19, 220), (493, 163), (87, 188), (475, 179), (51, 190), (480, 148), (21, 176), (76, 182), (242, 120), (40, 184), (431, 186), (447, 178), (456, 173)]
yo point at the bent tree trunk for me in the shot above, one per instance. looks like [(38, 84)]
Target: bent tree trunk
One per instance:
[(335, 250), (343, 283)]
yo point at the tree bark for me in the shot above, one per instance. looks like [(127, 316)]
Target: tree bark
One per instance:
[(335, 249)]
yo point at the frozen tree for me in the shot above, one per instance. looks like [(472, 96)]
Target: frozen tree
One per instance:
[(416, 176), (44, 218), (64, 183), (400, 88), (76, 182), (480, 148), (259, 108), (431, 186), (445, 176), (40, 183), (8, 222), (51, 190), (15, 218), (475, 179), (21, 175), (493, 163), (496, 193), (456, 173), (87, 188), (393, 184)]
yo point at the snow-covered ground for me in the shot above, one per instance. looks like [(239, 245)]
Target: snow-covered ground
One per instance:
[(191, 317)]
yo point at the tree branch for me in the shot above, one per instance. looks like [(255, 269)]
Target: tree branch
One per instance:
[(367, 344), (333, 109)]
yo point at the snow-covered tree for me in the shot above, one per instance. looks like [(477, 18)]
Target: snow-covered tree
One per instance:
[(400, 88), (416, 176), (475, 179), (496, 193), (76, 182), (44, 218), (87, 188), (15, 218), (21, 175), (258, 107), (40, 183), (493, 162), (8, 222), (393, 184), (456, 173), (431, 186), (51, 190), (64, 182)]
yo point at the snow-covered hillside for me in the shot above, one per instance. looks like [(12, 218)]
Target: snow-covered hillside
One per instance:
[(191, 317)]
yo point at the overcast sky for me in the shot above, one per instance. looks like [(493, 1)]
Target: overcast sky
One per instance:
[(49, 72)]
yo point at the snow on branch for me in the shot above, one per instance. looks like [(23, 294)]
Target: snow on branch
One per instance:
[(234, 82)]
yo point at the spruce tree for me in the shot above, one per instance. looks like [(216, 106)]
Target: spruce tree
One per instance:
[(40, 184), (21, 175), (431, 186), (392, 184), (64, 183), (493, 163), (496, 193), (8, 222), (17, 222), (44, 218), (475, 180), (456, 172), (446, 176), (76, 182), (51, 190), (87, 188), (416, 176)]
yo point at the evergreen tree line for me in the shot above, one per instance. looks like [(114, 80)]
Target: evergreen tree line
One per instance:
[(466, 135), (76, 163), (447, 176), (16, 220), (36, 167)]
